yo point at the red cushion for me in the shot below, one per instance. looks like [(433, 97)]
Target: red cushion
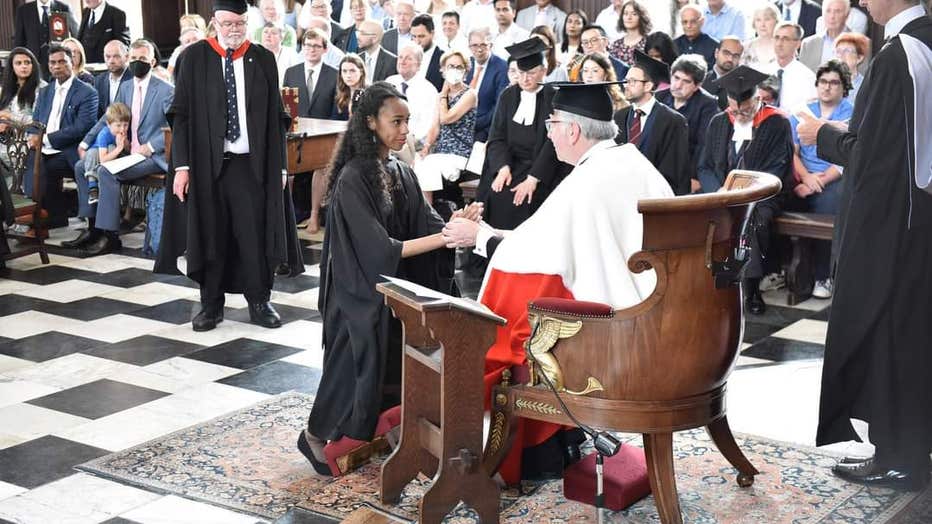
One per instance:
[(625, 476), (388, 420), (569, 306)]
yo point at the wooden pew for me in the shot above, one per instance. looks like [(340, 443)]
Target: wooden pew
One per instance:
[(803, 229)]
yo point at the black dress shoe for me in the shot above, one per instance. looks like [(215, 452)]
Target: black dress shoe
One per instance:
[(756, 305), (207, 319), (264, 315), (872, 473), (86, 237), (102, 245), (322, 468)]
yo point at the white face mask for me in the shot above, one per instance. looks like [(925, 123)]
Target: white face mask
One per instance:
[(454, 76)]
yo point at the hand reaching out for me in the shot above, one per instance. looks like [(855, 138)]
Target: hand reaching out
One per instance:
[(471, 212)]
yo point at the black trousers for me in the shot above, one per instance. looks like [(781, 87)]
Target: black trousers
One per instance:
[(241, 265), (54, 169)]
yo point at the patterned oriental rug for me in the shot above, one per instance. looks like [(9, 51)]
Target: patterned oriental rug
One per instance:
[(247, 461)]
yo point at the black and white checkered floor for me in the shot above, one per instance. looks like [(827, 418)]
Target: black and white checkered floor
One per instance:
[(97, 355)]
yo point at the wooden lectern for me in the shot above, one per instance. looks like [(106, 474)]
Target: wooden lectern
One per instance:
[(445, 342)]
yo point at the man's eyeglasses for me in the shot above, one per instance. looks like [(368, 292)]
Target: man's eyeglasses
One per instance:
[(629, 80), (782, 38), (313, 46), (729, 54), (825, 82), (548, 124), (479, 46), (230, 25), (592, 41)]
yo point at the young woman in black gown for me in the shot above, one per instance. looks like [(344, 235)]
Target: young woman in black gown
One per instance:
[(378, 223)]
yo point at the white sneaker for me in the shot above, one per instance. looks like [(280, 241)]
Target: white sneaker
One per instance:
[(772, 281), (822, 289)]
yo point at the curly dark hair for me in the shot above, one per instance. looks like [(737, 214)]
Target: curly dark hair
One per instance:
[(360, 145), (836, 66), (644, 23), (25, 96)]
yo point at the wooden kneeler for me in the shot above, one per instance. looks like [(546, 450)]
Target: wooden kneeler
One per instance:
[(442, 405)]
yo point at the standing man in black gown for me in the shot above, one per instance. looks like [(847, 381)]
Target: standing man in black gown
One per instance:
[(877, 352), (228, 158)]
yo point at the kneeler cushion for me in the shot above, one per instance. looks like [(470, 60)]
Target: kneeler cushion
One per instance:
[(625, 475), (336, 449)]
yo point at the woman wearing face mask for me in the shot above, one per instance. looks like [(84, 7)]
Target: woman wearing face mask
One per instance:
[(453, 130)]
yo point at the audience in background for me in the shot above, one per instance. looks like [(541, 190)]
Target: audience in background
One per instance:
[(350, 83), (400, 35), (101, 22), (285, 57), (507, 32), (488, 76), (727, 57), (595, 67), (116, 56), (819, 182), (554, 72), (633, 26), (451, 38), (348, 40), (594, 40), (542, 13), (380, 64), (819, 48), (193, 28), (693, 40), (333, 54), (570, 52), (853, 49), (273, 12), (608, 19), (422, 28), (723, 19), (22, 80), (758, 52), (77, 51), (796, 81)]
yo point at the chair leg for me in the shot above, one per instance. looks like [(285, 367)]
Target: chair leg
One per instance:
[(721, 434), (659, 450), (40, 228)]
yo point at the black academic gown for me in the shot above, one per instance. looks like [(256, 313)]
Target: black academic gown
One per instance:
[(527, 150), (878, 353), (198, 119), (7, 213), (362, 340), (664, 141), (770, 150), (698, 111)]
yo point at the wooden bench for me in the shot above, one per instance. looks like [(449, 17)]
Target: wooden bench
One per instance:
[(803, 229)]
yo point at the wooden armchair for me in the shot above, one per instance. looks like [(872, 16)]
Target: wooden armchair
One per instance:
[(659, 366), (28, 210)]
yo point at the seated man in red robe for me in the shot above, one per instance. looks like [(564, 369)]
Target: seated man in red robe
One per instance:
[(575, 246)]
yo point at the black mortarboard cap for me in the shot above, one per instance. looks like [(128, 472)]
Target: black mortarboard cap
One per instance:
[(741, 82), (529, 53), (589, 100), (656, 70), (236, 6)]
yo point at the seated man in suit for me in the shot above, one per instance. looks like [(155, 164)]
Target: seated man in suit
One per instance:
[(319, 9), (31, 28), (380, 64), (694, 103), (595, 40), (488, 75), (575, 246), (315, 80), (819, 48), (396, 37), (422, 28), (68, 108), (148, 98), (727, 57), (116, 55), (803, 12), (101, 23), (543, 12), (660, 133)]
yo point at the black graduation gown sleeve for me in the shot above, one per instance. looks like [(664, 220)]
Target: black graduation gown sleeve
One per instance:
[(669, 149), (877, 359), (362, 341)]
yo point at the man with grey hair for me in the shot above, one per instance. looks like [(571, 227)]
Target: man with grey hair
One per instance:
[(380, 64), (396, 37), (695, 104), (797, 82), (693, 40), (488, 76), (582, 131), (273, 12), (819, 48), (423, 95)]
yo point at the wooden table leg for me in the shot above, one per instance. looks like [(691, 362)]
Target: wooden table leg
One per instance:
[(659, 450)]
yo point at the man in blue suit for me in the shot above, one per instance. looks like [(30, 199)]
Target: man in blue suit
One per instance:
[(488, 75), (148, 98), (116, 55), (68, 108)]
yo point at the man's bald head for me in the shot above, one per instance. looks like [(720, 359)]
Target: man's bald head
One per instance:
[(317, 22), (369, 34), (116, 54)]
